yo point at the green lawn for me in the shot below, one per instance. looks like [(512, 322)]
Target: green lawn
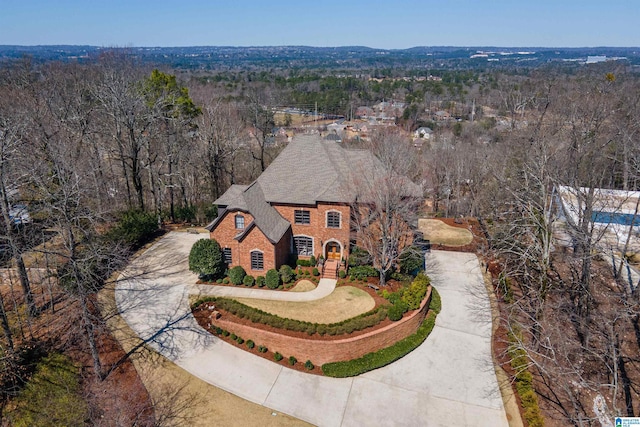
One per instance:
[(343, 303)]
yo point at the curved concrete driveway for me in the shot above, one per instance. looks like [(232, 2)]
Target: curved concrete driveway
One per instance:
[(447, 381)]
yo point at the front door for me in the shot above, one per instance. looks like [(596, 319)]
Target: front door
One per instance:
[(333, 251)]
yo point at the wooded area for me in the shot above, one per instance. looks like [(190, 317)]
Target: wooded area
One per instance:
[(100, 152)]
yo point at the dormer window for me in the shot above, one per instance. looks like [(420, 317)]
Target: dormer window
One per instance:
[(239, 222)]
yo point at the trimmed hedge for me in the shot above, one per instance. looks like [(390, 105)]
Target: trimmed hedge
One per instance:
[(416, 291), (524, 383), (248, 280), (381, 357), (358, 323)]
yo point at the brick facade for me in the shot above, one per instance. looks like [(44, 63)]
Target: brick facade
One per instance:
[(317, 227), (325, 351), (276, 255)]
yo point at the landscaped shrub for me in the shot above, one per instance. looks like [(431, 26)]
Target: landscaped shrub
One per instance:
[(239, 340), (382, 357), (248, 280), (312, 261), (272, 279), (359, 257), (342, 274), (278, 357), (362, 272), (309, 365), (262, 349), (286, 273), (303, 263), (134, 227), (292, 360), (260, 281), (225, 280), (236, 275), (250, 344), (185, 213), (234, 337), (218, 330), (397, 310), (226, 333), (415, 293), (206, 259), (315, 271)]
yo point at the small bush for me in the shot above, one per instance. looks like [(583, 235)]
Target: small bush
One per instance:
[(226, 333), (315, 271), (415, 293), (237, 274), (411, 260), (272, 279), (303, 263), (262, 349), (225, 280), (395, 312), (135, 228), (248, 280), (219, 281), (260, 281), (312, 261), (342, 274), (239, 340), (218, 331), (250, 344), (362, 272), (234, 337), (292, 360), (309, 365), (278, 357), (286, 273)]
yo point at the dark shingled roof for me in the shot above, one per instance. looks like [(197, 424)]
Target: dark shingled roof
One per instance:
[(309, 170)]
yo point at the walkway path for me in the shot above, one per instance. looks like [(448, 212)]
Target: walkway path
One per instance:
[(324, 288), (447, 381)]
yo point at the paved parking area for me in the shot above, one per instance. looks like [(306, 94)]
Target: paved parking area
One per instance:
[(447, 381)]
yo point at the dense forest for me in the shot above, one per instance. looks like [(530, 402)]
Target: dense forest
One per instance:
[(99, 152)]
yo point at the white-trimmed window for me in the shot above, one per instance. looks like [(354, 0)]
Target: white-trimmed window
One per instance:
[(257, 260), (302, 216), (303, 245), (239, 222), (333, 219), (227, 255)]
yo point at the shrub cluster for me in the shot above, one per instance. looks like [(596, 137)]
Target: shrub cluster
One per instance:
[(381, 357), (524, 383), (135, 228), (206, 259), (348, 326), (303, 263), (415, 293), (397, 310), (362, 272)]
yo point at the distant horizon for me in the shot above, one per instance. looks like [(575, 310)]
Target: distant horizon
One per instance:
[(326, 47), (389, 26)]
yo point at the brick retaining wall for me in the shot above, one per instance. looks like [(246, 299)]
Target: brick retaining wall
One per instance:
[(321, 351)]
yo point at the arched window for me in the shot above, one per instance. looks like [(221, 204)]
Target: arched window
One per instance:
[(303, 245), (239, 222), (257, 260), (333, 219)]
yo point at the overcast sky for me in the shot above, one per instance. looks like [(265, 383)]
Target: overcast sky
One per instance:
[(373, 23)]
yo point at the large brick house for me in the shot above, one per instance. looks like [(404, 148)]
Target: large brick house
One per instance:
[(298, 207)]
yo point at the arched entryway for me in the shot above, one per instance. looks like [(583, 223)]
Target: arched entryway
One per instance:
[(333, 250)]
